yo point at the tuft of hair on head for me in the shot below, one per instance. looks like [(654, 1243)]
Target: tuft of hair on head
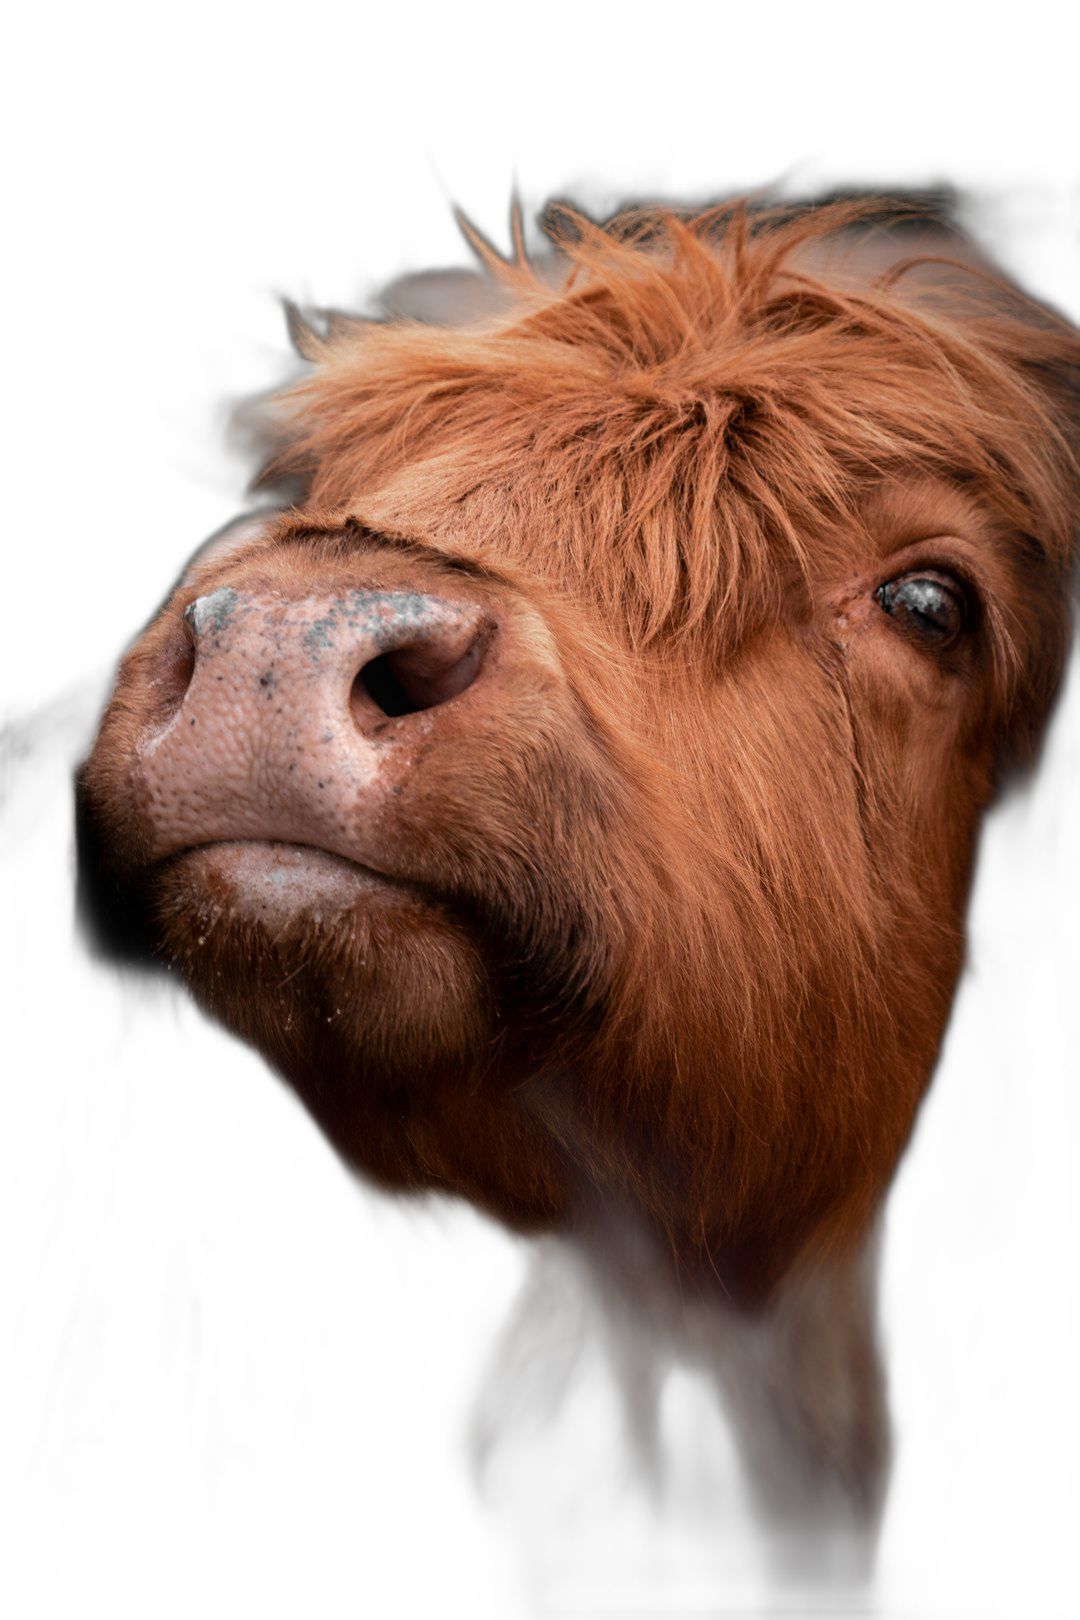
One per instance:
[(693, 397)]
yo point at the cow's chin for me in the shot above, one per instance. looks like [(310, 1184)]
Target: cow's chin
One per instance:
[(363, 993)]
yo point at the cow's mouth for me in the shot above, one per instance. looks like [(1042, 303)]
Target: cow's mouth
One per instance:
[(273, 881)]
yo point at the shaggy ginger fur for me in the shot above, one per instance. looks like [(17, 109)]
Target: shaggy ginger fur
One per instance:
[(767, 521)]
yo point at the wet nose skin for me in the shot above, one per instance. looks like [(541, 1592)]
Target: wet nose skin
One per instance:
[(292, 709)]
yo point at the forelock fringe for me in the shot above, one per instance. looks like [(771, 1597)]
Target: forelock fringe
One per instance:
[(689, 399)]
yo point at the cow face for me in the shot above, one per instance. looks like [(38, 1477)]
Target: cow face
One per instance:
[(574, 794)]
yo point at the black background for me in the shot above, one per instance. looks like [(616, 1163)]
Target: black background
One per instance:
[(238, 1364)]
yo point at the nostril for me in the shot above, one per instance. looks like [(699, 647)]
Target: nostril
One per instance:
[(383, 686), (410, 679)]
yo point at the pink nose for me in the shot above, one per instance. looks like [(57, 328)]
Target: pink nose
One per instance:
[(288, 711)]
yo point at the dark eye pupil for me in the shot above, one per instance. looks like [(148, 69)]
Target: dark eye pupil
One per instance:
[(926, 605)]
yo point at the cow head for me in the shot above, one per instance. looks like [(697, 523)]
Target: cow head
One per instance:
[(574, 793)]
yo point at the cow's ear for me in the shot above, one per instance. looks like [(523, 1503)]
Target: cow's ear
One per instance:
[(463, 300), (259, 434), (1054, 365)]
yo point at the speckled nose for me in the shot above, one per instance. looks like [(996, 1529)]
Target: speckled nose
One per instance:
[(395, 652), (286, 710)]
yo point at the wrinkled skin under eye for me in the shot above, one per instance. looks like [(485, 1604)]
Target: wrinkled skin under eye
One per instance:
[(932, 606)]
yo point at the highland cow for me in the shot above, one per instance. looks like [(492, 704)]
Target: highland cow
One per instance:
[(574, 792)]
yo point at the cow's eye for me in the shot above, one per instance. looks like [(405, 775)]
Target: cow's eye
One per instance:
[(932, 607)]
